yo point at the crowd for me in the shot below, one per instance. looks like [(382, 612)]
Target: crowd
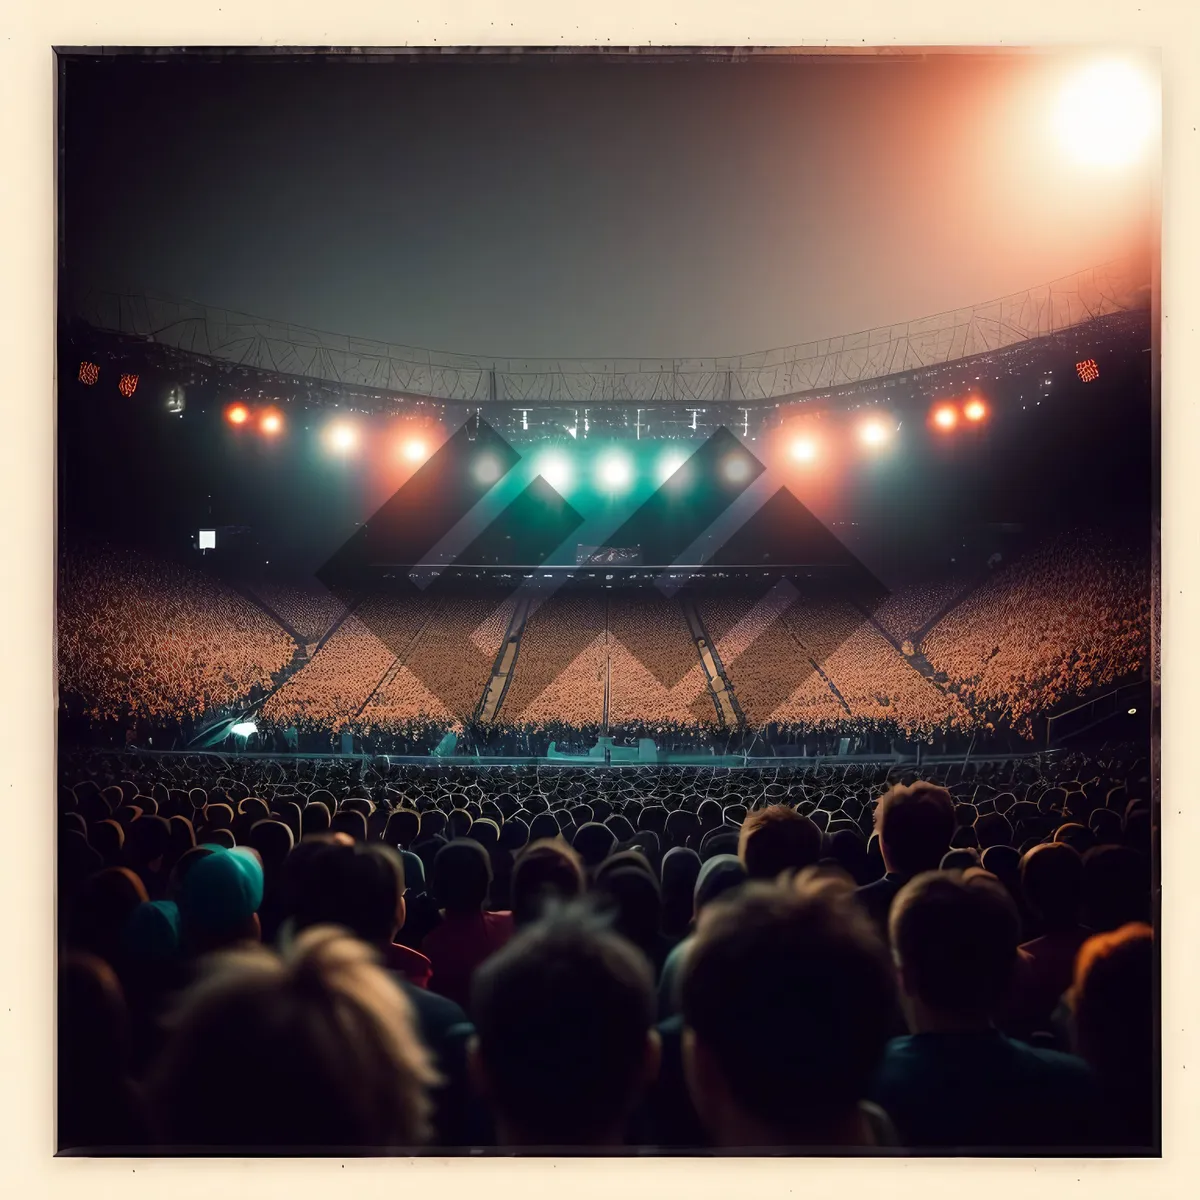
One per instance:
[(311, 611), (155, 644), (655, 674), (1070, 618), (907, 610), (561, 664), (140, 638), (345, 955)]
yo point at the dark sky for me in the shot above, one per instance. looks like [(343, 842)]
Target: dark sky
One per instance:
[(605, 209)]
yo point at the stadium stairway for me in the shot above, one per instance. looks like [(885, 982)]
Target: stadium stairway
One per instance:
[(260, 603), (397, 662), (919, 635), (496, 688), (300, 659), (816, 666), (729, 711)]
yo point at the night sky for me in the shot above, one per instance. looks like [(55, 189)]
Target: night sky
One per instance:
[(556, 208)]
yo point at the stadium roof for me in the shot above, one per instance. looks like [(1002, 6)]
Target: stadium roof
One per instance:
[(242, 340)]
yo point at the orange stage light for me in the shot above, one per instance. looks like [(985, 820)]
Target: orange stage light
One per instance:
[(945, 416), (804, 450), (271, 423), (874, 433), (89, 372), (975, 410), (237, 414)]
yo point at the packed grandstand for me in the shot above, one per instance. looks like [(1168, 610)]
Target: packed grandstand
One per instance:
[(164, 649)]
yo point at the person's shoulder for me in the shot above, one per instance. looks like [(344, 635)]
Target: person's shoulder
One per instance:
[(414, 965), (901, 1056), (1055, 1061), (900, 1048), (1034, 946), (677, 952), (876, 887), (499, 924), (434, 1006)]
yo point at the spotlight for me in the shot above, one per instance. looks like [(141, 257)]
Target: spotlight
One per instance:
[(271, 423), (615, 472), (975, 410), (342, 437), (237, 414), (414, 450), (244, 728), (945, 417), (804, 450), (1106, 114), (737, 468), (670, 464), (874, 433), (1133, 712), (556, 471), (487, 469)]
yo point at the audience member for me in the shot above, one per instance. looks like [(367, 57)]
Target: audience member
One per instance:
[(564, 1017), (787, 994), (955, 1082)]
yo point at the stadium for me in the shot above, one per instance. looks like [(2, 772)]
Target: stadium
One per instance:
[(556, 572), (586, 643)]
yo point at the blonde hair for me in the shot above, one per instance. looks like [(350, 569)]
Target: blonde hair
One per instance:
[(312, 1045)]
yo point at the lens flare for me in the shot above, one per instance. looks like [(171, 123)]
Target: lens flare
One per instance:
[(487, 469), (1106, 114), (874, 433), (670, 464), (945, 416), (615, 472), (737, 468), (343, 437), (556, 471), (804, 450)]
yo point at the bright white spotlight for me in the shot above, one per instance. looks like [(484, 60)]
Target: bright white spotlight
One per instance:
[(487, 469), (804, 450), (342, 437), (874, 433), (414, 450), (1106, 113), (556, 471), (244, 728), (615, 472), (669, 464), (737, 468)]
